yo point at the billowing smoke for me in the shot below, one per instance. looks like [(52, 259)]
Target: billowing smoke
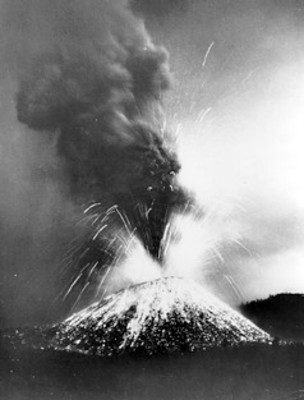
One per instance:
[(95, 81)]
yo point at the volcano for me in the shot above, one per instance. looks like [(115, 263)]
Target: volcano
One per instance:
[(162, 316)]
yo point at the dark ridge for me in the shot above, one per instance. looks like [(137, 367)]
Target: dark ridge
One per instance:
[(281, 315)]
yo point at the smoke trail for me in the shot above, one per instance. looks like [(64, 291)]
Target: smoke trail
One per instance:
[(94, 79)]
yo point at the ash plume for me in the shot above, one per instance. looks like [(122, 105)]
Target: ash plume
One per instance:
[(94, 80)]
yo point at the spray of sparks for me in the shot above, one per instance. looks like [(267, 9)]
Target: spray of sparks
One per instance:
[(114, 258)]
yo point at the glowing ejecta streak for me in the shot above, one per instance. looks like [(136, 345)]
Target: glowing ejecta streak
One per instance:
[(99, 231), (203, 114), (207, 54), (90, 207)]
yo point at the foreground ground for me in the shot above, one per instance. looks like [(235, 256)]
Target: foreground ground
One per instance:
[(262, 372)]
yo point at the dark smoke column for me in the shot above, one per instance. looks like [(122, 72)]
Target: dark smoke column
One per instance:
[(97, 84)]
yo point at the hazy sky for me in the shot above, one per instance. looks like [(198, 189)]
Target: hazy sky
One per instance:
[(237, 105)]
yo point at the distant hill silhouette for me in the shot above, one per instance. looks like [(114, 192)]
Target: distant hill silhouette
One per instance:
[(281, 315)]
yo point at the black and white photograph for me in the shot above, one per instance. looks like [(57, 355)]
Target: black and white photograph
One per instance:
[(151, 199)]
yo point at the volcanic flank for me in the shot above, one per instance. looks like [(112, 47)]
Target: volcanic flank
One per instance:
[(162, 316)]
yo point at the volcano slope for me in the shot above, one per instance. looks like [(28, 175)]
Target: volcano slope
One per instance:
[(162, 316), (161, 319)]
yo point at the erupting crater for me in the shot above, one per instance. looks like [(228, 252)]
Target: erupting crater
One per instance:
[(162, 316)]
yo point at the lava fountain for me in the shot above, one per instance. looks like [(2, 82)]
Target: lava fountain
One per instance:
[(96, 88)]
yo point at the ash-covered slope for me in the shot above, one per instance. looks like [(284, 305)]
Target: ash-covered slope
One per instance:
[(161, 316)]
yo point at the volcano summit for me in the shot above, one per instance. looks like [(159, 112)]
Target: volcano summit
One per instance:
[(162, 316)]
